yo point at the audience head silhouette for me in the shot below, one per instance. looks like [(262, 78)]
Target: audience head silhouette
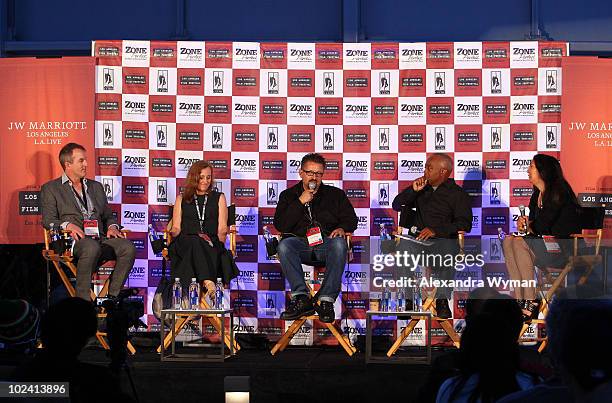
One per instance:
[(67, 326)]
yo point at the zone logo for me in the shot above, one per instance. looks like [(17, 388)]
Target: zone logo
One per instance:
[(190, 107), (356, 53), (412, 108), (134, 215), (243, 107), (354, 274), (519, 51), (524, 107), (134, 105), (300, 108), (245, 218), (244, 328), (185, 51), (244, 163), (246, 273), (412, 52), (468, 108), (187, 161), (356, 108), (135, 160), (294, 163), (520, 163), (468, 52), (356, 164), (130, 49), (412, 164), (468, 163), (301, 53), (246, 52)]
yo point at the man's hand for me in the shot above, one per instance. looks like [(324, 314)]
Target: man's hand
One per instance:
[(113, 232), (419, 184), (307, 196), (426, 233), (337, 232), (75, 232)]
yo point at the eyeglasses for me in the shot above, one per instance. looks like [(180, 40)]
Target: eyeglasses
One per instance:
[(313, 173)]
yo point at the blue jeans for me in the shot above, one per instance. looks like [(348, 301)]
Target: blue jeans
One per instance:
[(292, 252)]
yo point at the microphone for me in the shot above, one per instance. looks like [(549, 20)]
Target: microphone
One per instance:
[(312, 185), (414, 231), (522, 209)]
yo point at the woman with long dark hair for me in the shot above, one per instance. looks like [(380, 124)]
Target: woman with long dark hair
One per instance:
[(199, 229), (553, 210)]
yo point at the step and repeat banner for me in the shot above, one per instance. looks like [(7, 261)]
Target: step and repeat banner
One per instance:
[(375, 111), (44, 105), (587, 141)]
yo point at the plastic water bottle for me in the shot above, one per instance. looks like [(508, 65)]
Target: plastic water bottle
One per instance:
[(152, 234), (385, 300), (401, 300), (219, 294), (416, 298), (384, 235), (177, 294), (53, 234), (501, 234), (194, 294), (267, 234)]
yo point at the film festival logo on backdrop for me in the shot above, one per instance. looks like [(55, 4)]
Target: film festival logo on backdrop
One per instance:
[(495, 250), (273, 84), (383, 194), (108, 137), (217, 137), (551, 137), (328, 83), (384, 83), (162, 135), (440, 83), (496, 142), (551, 81), (217, 82), (328, 138), (162, 191), (107, 183), (494, 193), (109, 79), (272, 138), (440, 140), (383, 138), (218, 187), (272, 194), (496, 87), (162, 81)]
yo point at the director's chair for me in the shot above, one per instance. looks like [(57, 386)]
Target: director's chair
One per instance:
[(183, 320), (66, 260), (592, 219), (335, 330), (428, 305)]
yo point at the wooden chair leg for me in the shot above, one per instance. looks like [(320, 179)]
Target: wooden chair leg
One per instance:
[(102, 340), (450, 331), (342, 339), (400, 339), (216, 323), (64, 278), (283, 342), (180, 323)]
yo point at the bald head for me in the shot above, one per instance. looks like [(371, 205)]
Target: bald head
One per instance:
[(438, 169)]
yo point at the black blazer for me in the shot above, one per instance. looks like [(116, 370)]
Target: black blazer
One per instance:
[(559, 220)]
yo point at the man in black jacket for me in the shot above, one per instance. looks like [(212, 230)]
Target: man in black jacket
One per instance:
[(442, 209), (313, 218)]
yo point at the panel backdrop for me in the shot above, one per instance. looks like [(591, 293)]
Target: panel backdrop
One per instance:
[(374, 110)]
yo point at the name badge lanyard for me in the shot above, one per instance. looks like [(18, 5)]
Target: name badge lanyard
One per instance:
[(201, 214), (82, 203)]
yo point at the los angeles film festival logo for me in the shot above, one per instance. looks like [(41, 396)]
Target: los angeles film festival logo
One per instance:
[(45, 132)]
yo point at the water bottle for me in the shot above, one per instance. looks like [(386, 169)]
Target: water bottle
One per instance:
[(267, 234), (416, 298), (194, 294), (53, 235), (501, 234), (384, 235), (219, 294), (177, 294), (152, 234), (385, 300), (401, 300)]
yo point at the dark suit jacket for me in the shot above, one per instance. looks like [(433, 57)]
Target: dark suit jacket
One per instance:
[(59, 205)]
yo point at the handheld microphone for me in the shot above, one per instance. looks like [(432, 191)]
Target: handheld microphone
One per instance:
[(312, 185), (522, 209), (414, 231), (522, 231)]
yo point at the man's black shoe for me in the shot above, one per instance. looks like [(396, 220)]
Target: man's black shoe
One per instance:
[(442, 309), (409, 305), (299, 306), (326, 311)]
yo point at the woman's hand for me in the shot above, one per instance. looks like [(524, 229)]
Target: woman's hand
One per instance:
[(208, 290)]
